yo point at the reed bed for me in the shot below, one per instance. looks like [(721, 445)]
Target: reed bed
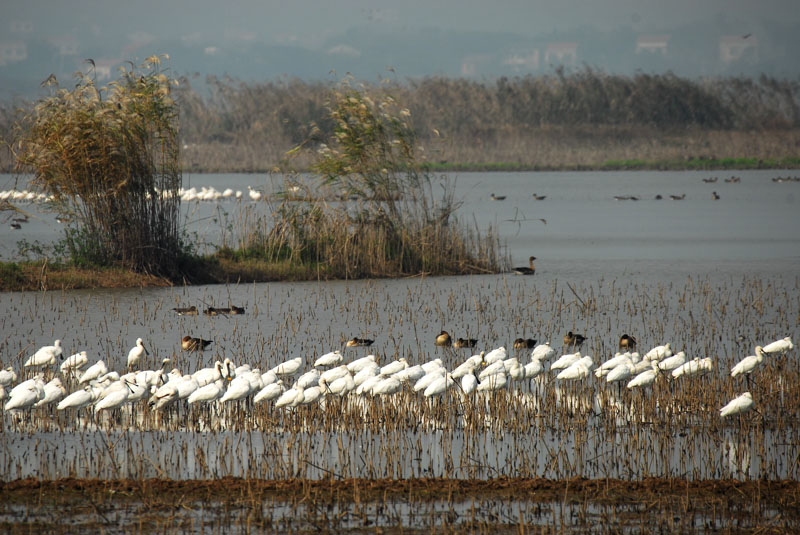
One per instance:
[(536, 428)]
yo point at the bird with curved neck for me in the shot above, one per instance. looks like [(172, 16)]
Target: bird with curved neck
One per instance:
[(526, 270)]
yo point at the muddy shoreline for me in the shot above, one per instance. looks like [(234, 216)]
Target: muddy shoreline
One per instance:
[(503, 505)]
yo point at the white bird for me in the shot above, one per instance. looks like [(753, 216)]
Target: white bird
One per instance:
[(614, 361), (492, 369), (45, 356), (493, 382), (135, 354), (469, 383), (747, 365), (239, 388), (366, 386), (579, 369), (312, 395), (432, 366), (388, 386), (439, 386), (341, 386), (207, 393), (93, 372), (186, 385), (425, 381), (25, 398), (468, 366), (165, 396), (673, 362), (7, 376), (543, 352), (394, 367), (533, 368), (412, 373), (309, 379), (645, 378), (688, 368), (779, 346), (115, 399), (74, 362), (291, 397), (289, 367), (659, 353), (334, 373), (53, 391), (270, 392), (495, 355), (737, 405), (255, 195), (206, 376), (367, 373), (359, 364), (329, 359), (80, 398), (621, 372), (565, 361)]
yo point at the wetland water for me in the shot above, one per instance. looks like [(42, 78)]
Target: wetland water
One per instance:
[(713, 278)]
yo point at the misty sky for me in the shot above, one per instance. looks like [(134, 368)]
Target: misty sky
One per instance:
[(309, 22)]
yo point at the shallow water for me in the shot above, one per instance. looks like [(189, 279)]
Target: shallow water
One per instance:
[(714, 278)]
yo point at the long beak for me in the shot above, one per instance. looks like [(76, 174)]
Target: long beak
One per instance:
[(146, 352)]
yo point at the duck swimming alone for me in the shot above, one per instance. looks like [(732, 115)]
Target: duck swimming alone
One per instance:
[(194, 344), (627, 342), (524, 343), (573, 340), (529, 270), (465, 342), (359, 342), (186, 311)]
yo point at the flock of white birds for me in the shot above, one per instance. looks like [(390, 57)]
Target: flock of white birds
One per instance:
[(103, 389), (186, 195)]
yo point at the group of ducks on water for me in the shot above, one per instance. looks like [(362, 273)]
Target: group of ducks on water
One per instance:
[(223, 382), (232, 310)]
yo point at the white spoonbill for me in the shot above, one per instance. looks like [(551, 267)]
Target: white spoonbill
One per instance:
[(577, 370), (115, 399), (270, 392), (289, 367), (659, 352), (779, 346), (747, 365), (495, 355), (45, 356), (93, 372), (207, 393), (565, 361), (292, 397), (7, 376), (309, 379), (543, 352), (53, 391), (25, 398), (673, 362), (239, 388), (387, 387), (135, 354), (646, 378), (737, 405), (439, 386), (394, 367), (359, 364), (329, 359), (74, 362), (80, 398), (469, 383), (493, 382)]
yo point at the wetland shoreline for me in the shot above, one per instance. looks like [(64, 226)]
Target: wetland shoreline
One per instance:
[(395, 506)]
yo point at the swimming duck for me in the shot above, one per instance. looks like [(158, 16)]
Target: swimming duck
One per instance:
[(359, 342), (465, 342), (194, 344), (627, 342), (186, 311), (573, 340), (524, 343), (498, 197), (443, 339), (526, 270)]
